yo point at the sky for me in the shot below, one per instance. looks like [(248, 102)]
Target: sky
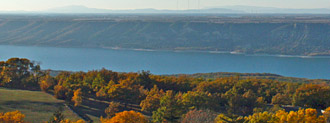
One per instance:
[(34, 5)]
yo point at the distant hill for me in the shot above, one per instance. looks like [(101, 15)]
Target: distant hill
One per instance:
[(84, 9), (210, 10), (268, 34), (76, 9), (257, 9)]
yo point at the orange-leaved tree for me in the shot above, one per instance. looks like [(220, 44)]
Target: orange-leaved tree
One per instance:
[(12, 117), (60, 92), (46, 83), (126, 117), (69, 121), (77, 97), (301, 116)]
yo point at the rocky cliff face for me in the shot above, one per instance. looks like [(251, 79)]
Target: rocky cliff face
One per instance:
[(294, 38)]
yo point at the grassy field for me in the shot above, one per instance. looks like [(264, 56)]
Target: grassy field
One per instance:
[(37, 106)]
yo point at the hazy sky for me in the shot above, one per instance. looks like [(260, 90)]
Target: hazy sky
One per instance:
[(157, 4)]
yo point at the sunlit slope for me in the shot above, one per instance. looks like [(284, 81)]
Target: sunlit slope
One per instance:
[(37, 106), (270, 38)]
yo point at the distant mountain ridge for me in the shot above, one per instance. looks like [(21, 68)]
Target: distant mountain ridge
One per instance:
[(212, 10), (256, 9), (277, 34), (76, 9), (84, 9)]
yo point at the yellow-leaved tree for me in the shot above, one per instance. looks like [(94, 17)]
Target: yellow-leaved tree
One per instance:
[(301, 116), (69, 121), (260, 117), (151, 102), (12, 117), (46, 83), (126, 117), (77, 97)]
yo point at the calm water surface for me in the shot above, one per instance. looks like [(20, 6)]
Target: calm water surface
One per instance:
[(167, 62)]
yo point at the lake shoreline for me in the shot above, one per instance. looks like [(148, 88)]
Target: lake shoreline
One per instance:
[(219, 52), (181, 50)]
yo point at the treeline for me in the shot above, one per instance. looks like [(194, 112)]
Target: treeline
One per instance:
[(196, 116), (253, 75), (169, 98)]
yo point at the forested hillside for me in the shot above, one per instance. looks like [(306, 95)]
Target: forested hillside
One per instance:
[(264, 35), (216, 75), (142, 97)]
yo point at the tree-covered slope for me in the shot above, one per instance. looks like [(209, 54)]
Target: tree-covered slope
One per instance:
[(242, 35), (160, 98), (270, 76)]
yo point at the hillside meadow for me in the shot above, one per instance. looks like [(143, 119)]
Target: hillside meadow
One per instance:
[(38, 105)]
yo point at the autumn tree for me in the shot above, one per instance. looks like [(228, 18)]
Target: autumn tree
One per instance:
[(260, 117), (249, 102), (240, 103), (152, 101), (60, 92), (234, 101), (197, 100), (312, 95), (70, 121), (47, 82), (169, 110), (301, 116), (77, 97), (220, 85), (144, 79), (125, 91), (281, 99), (112, 109), (126, 117), (98, 82), (12, 117), (103, 91), (261, 102), (181, 83), (19, 73)]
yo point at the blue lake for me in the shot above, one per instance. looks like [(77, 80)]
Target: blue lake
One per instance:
[(168, 62)]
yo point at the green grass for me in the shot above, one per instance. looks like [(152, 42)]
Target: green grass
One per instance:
[(37, 106)]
